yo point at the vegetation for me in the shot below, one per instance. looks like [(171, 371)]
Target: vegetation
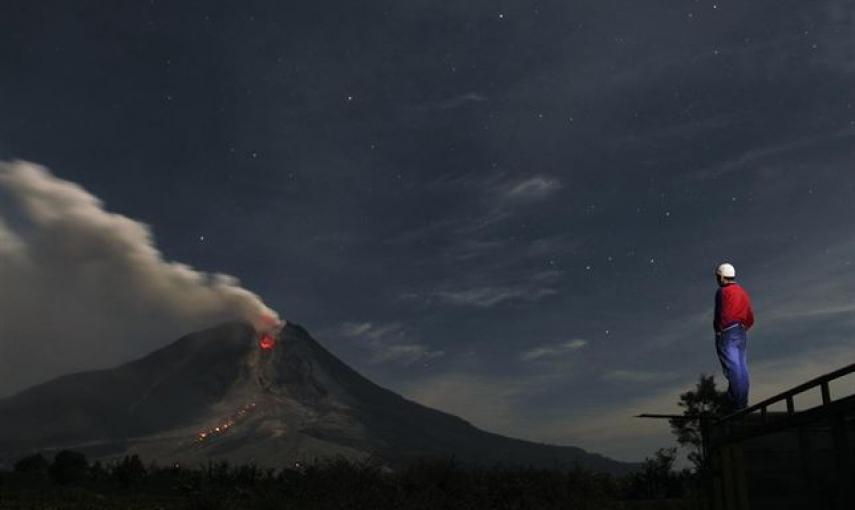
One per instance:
[(70, 482), (700, 406)]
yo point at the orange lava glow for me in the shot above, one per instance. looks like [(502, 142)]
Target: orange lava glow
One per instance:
[(266, 342), (225, 425)]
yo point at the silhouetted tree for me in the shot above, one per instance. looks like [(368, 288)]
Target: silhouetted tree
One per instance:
[(700, 406), (68, 467), (97, 471), (130, 470), (32, 464), (657, 478)]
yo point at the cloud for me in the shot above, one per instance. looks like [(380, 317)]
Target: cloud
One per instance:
[(389, 343), (468, 249), (474, 293), (406, 354), (534, 188), (486, 297), (354, 329), (766, 159), (552, 351), (488, 402), (638, 376), (455, 101), (84, 287), (616, 432), (501, 404)]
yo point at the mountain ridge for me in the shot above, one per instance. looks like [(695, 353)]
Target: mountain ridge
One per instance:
[(216, 395)]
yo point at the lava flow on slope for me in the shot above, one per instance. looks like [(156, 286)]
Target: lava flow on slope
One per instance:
[(266, 342), (224, 426)]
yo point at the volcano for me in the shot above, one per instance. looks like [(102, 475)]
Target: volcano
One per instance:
[(219, 395)]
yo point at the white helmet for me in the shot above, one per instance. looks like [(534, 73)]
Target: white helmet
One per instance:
[(726, 270)]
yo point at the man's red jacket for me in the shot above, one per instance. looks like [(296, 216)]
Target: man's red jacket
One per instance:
[(731, 306)]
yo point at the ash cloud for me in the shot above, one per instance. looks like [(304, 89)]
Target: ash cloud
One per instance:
[(81, 287)]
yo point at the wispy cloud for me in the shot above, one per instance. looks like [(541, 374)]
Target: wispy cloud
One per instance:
[(528, 288), (638, 376), (473, 248), (354, 329), (554, 350), (492, 296), (614, 430), (458, 101), (762, 158), (489, 402), (406, 354), (452, 102), (533, 188), (499, 404), (389, 343)]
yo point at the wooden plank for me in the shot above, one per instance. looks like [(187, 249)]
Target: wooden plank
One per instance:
[(784, 421)]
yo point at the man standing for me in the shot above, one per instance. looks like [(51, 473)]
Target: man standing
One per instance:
[(733, 318)]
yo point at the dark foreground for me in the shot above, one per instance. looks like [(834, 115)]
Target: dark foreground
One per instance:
[(69, 482)]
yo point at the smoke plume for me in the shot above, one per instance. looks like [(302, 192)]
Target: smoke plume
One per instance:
[(81, 287)]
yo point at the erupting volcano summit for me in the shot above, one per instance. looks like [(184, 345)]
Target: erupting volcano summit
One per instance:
[(230, 393)]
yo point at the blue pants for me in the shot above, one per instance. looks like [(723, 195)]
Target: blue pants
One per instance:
[(731, 347)]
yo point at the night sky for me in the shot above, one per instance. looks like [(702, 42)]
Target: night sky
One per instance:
[(510, 211)]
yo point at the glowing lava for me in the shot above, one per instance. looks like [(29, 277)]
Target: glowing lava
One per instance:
[(228, 423), (266, 342)]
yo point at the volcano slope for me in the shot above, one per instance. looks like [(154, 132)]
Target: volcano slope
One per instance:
[(216, 395)]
